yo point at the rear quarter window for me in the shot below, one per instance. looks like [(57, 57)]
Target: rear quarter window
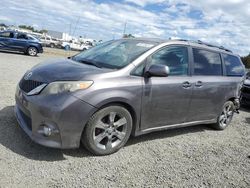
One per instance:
[(6, 35), (233, 65)]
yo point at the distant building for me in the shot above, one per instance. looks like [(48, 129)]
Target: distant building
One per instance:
[(55, 34), (59, 35), (66, 37)]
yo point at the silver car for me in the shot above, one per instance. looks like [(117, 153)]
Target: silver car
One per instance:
[(126, 87)]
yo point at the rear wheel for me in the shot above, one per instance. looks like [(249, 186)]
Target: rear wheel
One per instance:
[(52, 45), (108, 130), (225, 117), (32, 51)]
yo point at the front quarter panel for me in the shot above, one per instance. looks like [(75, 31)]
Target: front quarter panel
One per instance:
[(125, 90)]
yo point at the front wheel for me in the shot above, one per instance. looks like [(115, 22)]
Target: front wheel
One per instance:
[(225, 117), (32, 51), (107, 130)]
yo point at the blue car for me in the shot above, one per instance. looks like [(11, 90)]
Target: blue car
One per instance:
[(20, 42)]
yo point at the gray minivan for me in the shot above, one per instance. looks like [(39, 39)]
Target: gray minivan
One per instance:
[(128, 87)]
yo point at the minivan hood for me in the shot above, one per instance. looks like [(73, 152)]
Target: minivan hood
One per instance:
[(62, 70)]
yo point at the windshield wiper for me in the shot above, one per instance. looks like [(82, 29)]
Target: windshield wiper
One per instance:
[(89, 63)]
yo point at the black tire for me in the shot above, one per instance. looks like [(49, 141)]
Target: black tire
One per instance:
[(32, 51), (224, 120), (52, 45), (107, 134)]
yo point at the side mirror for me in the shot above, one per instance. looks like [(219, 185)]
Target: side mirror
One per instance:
[(158, 71)]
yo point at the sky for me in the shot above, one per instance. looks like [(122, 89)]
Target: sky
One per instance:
[(225, 23)]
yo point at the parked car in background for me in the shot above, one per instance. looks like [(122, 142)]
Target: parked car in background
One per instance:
[(128, 87), (74, 45), (245, 91), (49, 41), (21, 42)]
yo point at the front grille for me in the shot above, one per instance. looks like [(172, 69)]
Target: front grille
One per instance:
[(246, 89), (26, 119), (29, 85)]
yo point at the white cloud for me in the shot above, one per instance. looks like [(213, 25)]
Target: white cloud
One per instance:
[(223, 23), (143, 3)]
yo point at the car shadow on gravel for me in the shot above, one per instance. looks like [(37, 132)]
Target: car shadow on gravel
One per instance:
[(13, 138), (246, 109), (17, 53), (10, 52)]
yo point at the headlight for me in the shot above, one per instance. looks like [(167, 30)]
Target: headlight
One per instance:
[(65, 86)]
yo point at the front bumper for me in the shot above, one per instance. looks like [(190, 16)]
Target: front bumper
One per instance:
[(64, 112)]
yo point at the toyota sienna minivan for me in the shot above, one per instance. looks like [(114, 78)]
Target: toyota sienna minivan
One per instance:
[(125, 87)]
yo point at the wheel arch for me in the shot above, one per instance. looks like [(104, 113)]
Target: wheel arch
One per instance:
[(121, 103), (127, 107)]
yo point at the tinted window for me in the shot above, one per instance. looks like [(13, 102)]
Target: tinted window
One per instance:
[(207, 63), (22, 36), (233, 65), (176, 58), (138, 71), (7, 35)]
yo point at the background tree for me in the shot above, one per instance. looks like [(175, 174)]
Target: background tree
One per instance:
[(246, 61), (128, 36), (3, 25)]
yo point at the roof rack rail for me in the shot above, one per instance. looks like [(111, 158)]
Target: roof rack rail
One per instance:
[(214, 46), (203, 43)]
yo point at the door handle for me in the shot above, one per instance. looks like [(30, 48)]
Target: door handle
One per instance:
[(186, 84), (198, 84)]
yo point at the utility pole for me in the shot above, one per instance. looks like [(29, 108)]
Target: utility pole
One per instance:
[(125, 27), (76, 25), (70, 29)]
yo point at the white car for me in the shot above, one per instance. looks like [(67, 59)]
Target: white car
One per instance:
[(49, 41), (75, 46)]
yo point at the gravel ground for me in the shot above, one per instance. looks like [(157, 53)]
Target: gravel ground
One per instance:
[(188, 157)]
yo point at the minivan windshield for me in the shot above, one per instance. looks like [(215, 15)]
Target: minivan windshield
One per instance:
[(114, 54)]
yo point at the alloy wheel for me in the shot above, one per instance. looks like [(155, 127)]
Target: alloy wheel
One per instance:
[(110, 131), (226, 115), (32, 51)]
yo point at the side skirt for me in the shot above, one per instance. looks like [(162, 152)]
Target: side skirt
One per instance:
[(166, 127)]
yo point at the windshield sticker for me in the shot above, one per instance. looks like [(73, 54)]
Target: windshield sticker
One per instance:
[(145, 45)]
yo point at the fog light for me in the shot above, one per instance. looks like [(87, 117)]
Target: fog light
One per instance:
[(47, 131)]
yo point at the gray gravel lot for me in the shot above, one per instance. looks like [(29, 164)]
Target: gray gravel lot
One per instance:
[(188, 157)]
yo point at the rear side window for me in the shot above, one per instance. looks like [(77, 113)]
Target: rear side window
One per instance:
[(7, 35), (207, 63), (233, 65), (21, 36)]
